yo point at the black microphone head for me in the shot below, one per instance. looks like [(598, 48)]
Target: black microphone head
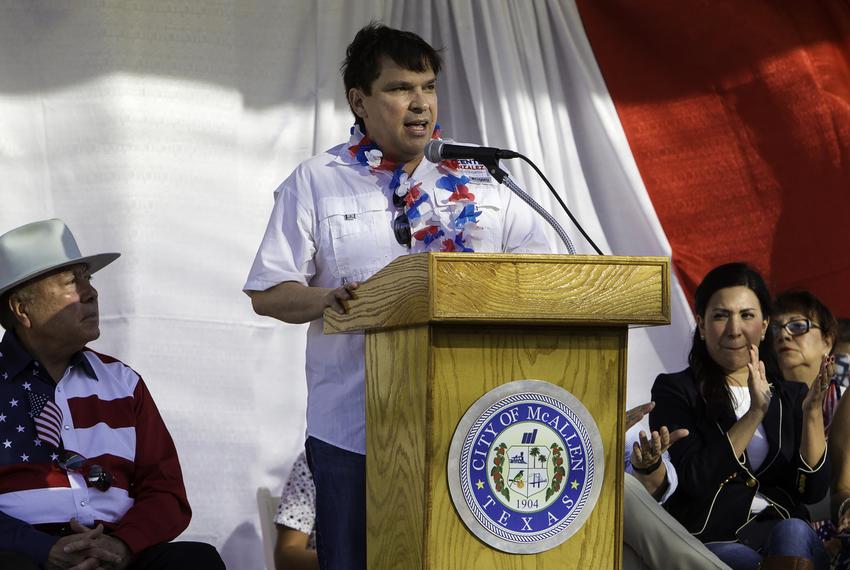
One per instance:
[(434, 150)]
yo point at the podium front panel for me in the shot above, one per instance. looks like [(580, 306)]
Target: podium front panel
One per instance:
[(437, 372)]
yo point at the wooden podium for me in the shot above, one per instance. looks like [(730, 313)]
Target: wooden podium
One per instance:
[(444, 329)]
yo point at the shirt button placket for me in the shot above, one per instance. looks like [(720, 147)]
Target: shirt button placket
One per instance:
[(79, 487)]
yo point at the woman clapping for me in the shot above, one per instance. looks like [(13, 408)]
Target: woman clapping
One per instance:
[(804, 333), (756, 453)]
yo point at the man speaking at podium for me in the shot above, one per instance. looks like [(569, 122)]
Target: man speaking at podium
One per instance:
[(346, 213)]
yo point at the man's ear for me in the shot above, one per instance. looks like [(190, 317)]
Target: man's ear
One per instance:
[(20, 311), (356, 99)]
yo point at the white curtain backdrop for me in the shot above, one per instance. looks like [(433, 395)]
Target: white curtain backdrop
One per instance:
[(160, 129)]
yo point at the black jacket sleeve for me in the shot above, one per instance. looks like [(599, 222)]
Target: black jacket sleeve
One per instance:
[(705, 458)]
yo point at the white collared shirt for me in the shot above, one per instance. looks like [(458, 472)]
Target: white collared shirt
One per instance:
[(332, 224)]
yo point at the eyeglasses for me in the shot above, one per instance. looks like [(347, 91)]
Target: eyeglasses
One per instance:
[(401, 223), (95, 475), (794, 327)]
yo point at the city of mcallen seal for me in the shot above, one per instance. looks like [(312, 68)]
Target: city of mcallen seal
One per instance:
[(525, 466)]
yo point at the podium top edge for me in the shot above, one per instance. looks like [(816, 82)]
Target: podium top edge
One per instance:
[(510, 288), (543, 258)]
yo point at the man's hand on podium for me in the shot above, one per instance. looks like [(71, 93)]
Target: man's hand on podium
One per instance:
[(338, 298)]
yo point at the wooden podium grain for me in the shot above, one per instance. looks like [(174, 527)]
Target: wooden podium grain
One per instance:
[(442, 330)]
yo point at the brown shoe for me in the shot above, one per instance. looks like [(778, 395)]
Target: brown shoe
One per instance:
[(786, 563)]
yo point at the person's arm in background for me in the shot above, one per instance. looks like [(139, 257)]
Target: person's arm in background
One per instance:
[(646, 455), (813, 442), (839, 435), (291, 551), (19, 536), (296, 520)]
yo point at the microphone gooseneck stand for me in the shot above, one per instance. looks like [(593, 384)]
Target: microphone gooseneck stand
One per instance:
[(502, 178), (543, 213)]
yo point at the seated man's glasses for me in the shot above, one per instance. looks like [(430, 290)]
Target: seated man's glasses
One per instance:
[(794, 327)]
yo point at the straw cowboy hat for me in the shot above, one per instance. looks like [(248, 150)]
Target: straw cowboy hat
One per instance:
[(37, 248)]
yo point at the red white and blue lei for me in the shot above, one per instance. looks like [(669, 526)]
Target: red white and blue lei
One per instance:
[(458, 225)]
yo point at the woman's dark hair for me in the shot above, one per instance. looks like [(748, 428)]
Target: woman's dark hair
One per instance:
[(362, 64), (711, 378), (805, 303)]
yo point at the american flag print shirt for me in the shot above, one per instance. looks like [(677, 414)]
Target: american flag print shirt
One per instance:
[(100, 409)]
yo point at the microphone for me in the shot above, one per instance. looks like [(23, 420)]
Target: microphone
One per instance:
[(438, 150)]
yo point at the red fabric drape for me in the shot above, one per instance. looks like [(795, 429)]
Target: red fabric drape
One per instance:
[(738, 116)]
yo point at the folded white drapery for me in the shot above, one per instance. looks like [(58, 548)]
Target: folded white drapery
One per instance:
[(160, 129)]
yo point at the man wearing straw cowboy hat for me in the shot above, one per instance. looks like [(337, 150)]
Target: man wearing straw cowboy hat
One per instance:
[(89, 476)]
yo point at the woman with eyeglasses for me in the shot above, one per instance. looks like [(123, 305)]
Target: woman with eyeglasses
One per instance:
[(804, 334), (756, 454)]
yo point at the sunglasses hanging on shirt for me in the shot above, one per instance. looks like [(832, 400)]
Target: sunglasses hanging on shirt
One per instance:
[(95, 476), (401, 223)]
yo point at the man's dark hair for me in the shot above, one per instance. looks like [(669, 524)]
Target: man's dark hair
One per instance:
[(362, 64)]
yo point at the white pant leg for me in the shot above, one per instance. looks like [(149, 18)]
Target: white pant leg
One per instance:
[(656, 537)]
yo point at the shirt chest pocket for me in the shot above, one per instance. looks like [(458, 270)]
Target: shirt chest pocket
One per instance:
[(486, 233), (359, 233)]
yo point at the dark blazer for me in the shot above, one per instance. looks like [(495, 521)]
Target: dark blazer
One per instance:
[(716, 489)]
